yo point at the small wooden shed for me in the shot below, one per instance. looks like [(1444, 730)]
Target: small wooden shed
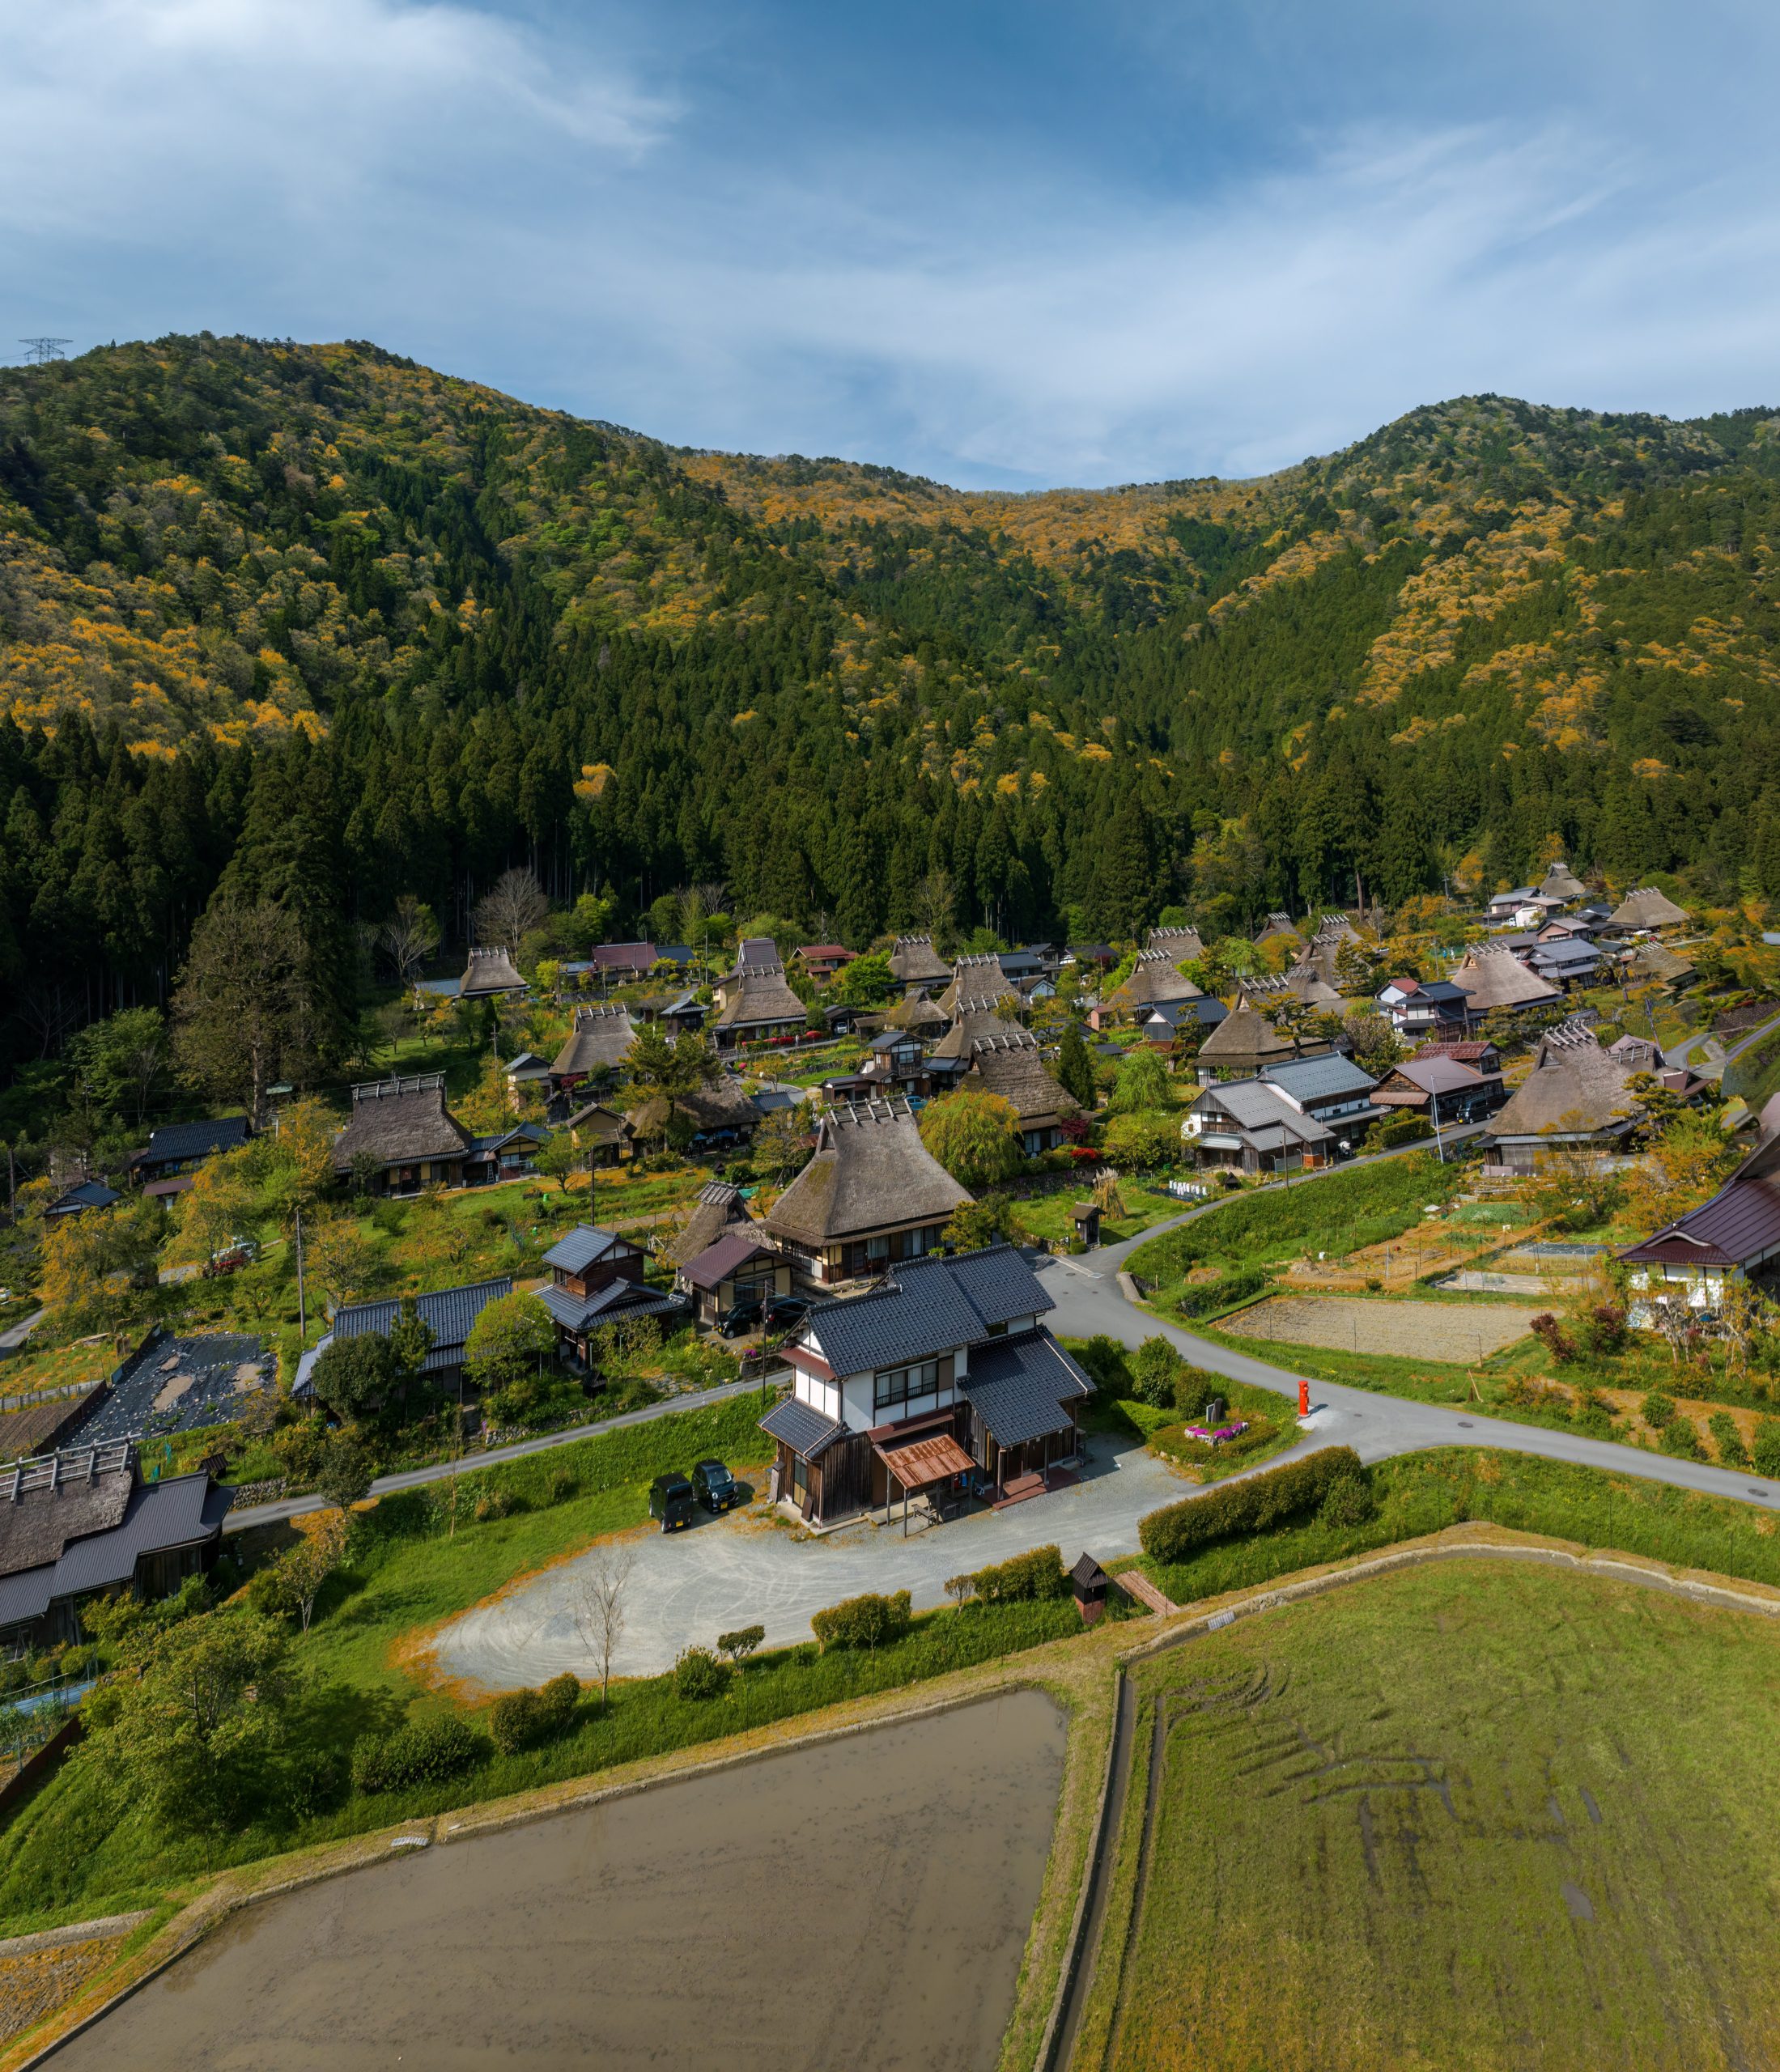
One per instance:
[(1085, 1216), (1088, 1580)]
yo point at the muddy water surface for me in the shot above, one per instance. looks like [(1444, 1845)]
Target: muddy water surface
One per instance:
[(862, 1904)]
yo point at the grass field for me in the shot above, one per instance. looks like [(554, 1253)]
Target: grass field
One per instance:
[(1469, 1817), (1047, 1218)]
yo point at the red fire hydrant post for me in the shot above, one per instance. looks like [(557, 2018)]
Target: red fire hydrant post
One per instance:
[(1303, 1397)]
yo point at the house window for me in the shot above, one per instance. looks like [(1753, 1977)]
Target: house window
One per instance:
[(900, 1384)]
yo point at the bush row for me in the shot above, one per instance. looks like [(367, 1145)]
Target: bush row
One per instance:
[(426, 1750), (1250, 1505), (866, 1621), (1027, 1578), (522, 1719)]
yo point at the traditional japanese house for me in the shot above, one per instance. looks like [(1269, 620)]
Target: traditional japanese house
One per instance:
[(918, 1014), (914, 961), (1648, 909), (942, 1378), (723, 1113), (526, 1074), (1176, 944), (490, 974), (717, 1209), (596, 1280), (1476, 1051), (1242, 1043), (976, 1020), (447, 1313), (979, 978), (403, 1135), (873, 1195), (1182, 1025), (822, 960), (1576, 1098), (599, 1041), (1561, 883), (83, 1195), (1246, 1125), (1280, 927), (1014, 1066), (503, 1154), (1736, 1235), (754, 1004), (895, 1063), (1494, 978), (174, 1152), (83, 1524), (599, 1132), (738, 1266), (1568, 962), (621, 962), (1154, 979), (1418, 1008), (1442, 1089), (1331, 1088), (1655, 964)]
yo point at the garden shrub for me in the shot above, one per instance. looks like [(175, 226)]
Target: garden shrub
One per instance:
[(1228, 1289), (1680, 1439), (426, 1750), (1154, 1367), (521, 1719), (1250, 1505), (562, 1486), (1402, 1129), (699, 1674), (1728, 1439), (1104, 1361), (1347, 1501), (1195, 1387), (866, 1621), (738, 1645), (1552, 1335), (498, 1504), (1657, 1410), (1175, 1443), (1765, 1449), (1028, 1577)]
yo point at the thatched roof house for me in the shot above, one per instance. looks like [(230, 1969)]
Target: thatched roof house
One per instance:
[(1278, 925), (1561, 883), (489, 972), (755, 1001), (1576, 1095), (975, 1021), (919, 1013), (873, 1194), (723, 1112), (1014, 1066), (1240, 1045), (914, 961), (1154, 979), (1176, 944), (1655, 962), (718, 1208), (404, 1128), (978, 978), (1647, 908), (598, 1041), (1495, 977)]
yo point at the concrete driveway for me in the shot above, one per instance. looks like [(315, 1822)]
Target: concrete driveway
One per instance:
[(731, 1572)]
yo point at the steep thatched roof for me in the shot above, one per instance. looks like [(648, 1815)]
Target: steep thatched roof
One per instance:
[(978, 978), (725, 1105), (489, 971), (1279, 924), (1176, 944), (1497, 977), (755, 996), (916, 962), (1154, 979), (1307, 980), (598, 1041), (917, 1012), (1574, 1088), (870, 1172), (1561, 883), (1014, 1067), (1265, 994), (1244, 1037), (975, 1021), (399, 1122), (1647, 908), (718, 1208), (1657, 960)]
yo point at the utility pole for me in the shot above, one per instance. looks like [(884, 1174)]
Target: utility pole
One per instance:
[(40, 350), (303, 1307)]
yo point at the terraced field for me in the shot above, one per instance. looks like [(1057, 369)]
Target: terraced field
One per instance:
[(1471, 1818)]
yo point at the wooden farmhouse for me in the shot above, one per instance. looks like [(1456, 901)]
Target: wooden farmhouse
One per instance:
[(871, 1195), (596, 1281), (942, 1379), (447, 1313), (403, 1135), (490, 974), (915, 963)]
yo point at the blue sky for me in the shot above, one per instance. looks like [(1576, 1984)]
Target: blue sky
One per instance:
[(1000, 245)]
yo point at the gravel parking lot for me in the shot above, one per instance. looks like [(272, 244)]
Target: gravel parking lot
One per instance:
[(1417, 1330)]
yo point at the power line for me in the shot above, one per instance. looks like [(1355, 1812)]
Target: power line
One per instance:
[(37, 351)]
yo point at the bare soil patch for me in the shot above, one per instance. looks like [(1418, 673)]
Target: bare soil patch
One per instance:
[(1453, 1331)]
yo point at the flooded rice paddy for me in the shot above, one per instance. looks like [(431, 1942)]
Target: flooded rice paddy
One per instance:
[(863, 1904)]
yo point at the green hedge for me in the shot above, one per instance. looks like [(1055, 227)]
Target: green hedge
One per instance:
[(423, 1752), (1027, 1578), (867, 1621), (1250, 1505)]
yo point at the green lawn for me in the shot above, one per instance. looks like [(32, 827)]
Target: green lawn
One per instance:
[(1473, 1816), (1047, 1218)]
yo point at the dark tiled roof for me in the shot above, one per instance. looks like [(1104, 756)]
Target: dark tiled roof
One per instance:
[(85, 1193), (731, 1251), (927, 1306), (1018, 1386), (1318, 1078), (449, 1312), (577, 1252), (194, 1139), (607, 1304), (807, 1433)]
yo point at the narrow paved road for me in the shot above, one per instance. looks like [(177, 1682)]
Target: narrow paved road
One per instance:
[(1089, 1299)]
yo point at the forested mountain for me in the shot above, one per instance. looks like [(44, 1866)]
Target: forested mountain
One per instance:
[(318, 625)]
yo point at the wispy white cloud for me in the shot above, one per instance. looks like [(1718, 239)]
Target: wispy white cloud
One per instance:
[(606, 231)]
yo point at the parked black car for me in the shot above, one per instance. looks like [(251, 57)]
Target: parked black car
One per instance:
[(717, 1488), (744, 1316), (673, 1500), (783, 1311)]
